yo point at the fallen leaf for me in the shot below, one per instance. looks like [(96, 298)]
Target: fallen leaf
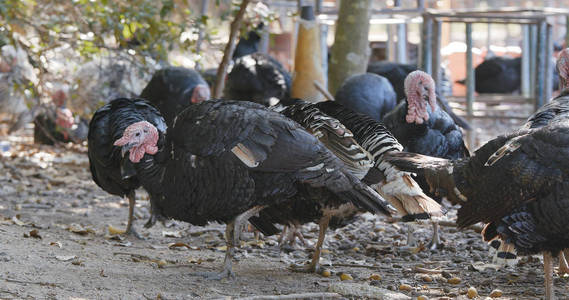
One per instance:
[(16, 220), (78, 229), (195, 261), (77, 262), (481, 266), (175, 234), (34, 234), (65, 257), (102, 273), (178, 245), (58, 244), (115, 231), (124, 244)]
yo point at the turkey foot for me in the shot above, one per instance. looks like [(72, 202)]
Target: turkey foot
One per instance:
[(435, 240), (290, 234), (226, 272), (548, 272), (314, 266), (129, 228), (411, 240), (563, 265), (232, 232)]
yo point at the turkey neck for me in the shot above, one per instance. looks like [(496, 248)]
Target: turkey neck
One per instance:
[(150, 169)]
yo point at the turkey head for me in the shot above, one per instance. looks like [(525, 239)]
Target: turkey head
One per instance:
[(201, 93), (420, 91), (563, 69), (139, 138)]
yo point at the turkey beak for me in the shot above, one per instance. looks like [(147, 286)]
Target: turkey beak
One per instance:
[(125, 148)]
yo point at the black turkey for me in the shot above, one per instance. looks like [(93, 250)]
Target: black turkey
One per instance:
[(173, 88), (225, 161), (110, 170), (396, 74), (367, 93), (516, 183), (422, 127), (258, 78)]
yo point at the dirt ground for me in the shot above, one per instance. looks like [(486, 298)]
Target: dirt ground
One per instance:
[(55, 244)]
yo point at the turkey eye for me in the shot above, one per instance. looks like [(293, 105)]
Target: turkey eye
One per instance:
[(145, 130), (137, 134)]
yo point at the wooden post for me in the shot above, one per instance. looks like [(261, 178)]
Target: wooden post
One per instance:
[(229, 48)]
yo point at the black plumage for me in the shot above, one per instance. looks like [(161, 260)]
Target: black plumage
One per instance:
[(500, 75), (248, 44), (367, 93), (396, 74), (258, 78), (173, 88), (515, 183), (226, 160), (439, 136), (109, 169)]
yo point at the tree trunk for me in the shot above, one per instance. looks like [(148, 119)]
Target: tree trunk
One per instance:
[(228, 53), (350, 51)]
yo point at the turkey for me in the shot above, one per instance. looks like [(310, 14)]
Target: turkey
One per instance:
[(250, 43), (173, 88), (227, 160), (399, 188), (367, 93), (422, 127), (258, 78), (55, 123), (396, 74), (499, 75), (110, 170), (516, 183)]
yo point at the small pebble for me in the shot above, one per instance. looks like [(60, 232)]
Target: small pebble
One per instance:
[(422, 297), (325, 273), (405, 287), (454, 280), (446, 274), (427, 278), (496, 293), (472, 293)]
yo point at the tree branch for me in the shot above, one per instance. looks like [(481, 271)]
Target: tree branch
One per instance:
[(229, 48)]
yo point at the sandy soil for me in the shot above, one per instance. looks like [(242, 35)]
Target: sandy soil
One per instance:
[(55, 244)]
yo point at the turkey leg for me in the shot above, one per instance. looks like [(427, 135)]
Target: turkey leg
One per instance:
[(289, 235), (436, 240), (232, 233), (548, 270), (563, 266), (314, 266), (131, 202)]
